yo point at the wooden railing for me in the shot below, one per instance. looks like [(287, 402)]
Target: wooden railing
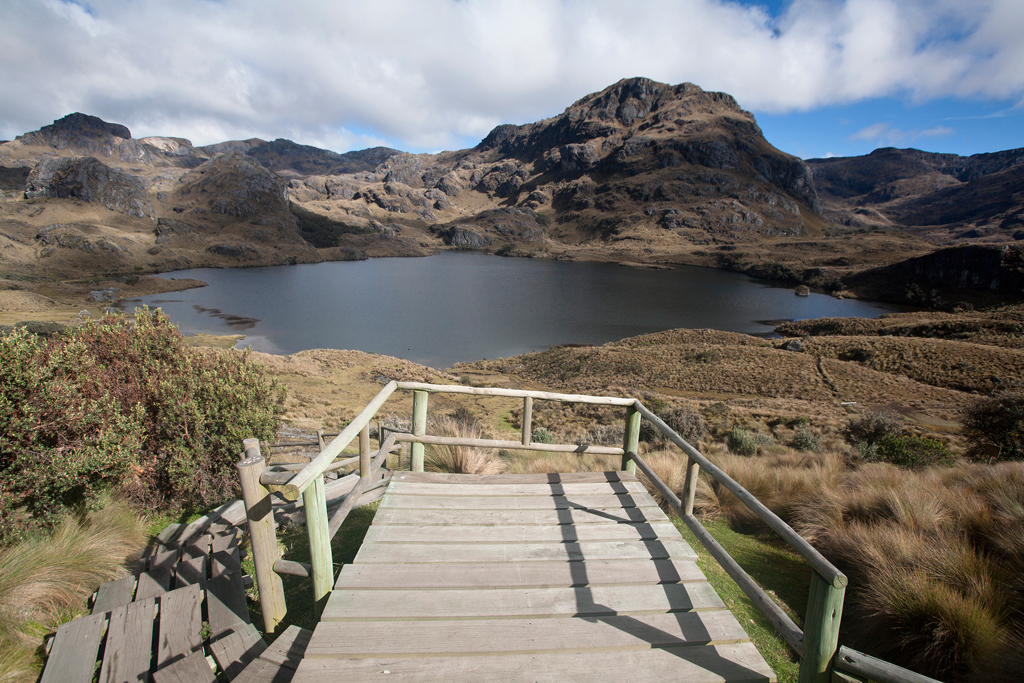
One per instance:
[(821, 658)]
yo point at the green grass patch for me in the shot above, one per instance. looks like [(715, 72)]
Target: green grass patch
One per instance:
[(779, 571)]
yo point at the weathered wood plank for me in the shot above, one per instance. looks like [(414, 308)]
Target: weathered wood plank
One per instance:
[(153, 583), (73, 652), (526, 575), (114, 594), (521, 552), (225, 562), (262, 671), (191, 669), (515, 503), (559, 489), (197, 547), (180, 621), (510, 636), (164, 560), (698, 664), (289, 647), (129, 650), (612, 515), (562, 533), (225, 603), (546, 478), (234, 649), (192, 571), (506, 602)]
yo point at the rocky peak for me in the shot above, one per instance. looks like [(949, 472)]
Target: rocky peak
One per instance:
[(73, 129)]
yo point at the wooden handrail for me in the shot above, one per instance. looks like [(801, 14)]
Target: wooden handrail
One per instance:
[(508, 445), (826, 569), (318, 465), (515, 393), (339, 516)]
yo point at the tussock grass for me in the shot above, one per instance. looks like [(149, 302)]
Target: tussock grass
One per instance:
[(935, 556), (46, 579), (535, 462), (459, 459)]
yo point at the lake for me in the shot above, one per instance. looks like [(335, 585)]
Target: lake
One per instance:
[(452, 307)]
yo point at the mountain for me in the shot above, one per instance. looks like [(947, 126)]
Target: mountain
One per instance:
[(642, 172), (941, 197)]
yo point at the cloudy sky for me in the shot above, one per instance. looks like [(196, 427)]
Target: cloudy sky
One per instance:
[(823, 77)]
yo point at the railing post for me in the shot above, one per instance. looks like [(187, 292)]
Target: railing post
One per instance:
[(419, 428), (320, 443), (690, 486), (631, 442), (821, 630), (527, 420), (314, 502), (364, 451), (259, 512)]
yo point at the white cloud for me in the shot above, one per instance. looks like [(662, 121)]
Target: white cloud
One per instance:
[(428, 74), (883, 133)]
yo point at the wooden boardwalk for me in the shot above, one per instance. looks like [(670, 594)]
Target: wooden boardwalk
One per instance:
[(537, 577)]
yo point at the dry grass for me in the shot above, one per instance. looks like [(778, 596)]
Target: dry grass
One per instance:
[(535, 462), (459, 459), (45, 580)]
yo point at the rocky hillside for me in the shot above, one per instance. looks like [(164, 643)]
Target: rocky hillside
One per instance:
[(942, 197), (641, 172)]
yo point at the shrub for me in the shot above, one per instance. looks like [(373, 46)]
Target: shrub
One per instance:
[(742, 442), (806, 440), (994, 427), (873, 426), (684, 421), (125, 405), (542, 435), (913, 451), (604, 435)]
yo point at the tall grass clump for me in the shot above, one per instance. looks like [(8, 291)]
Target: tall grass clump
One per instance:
[(126, 406), (459, 459), (47, 577)]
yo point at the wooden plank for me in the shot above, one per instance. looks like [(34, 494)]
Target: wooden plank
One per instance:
[(153, 583), (515, 503), (114, 594), (448, 553), (234, 649), (562, 533), (188, 572), (699, 664), (226, 603), (526, 575), (558, 489), (225, 562), (262, 671), (180, 621), (129, 650), (191, 669), (612, 515), (197, 547), (508, 636), (224, 541), (289, 648), (73, 653), (545, 478), (506, 602), (164, 560)]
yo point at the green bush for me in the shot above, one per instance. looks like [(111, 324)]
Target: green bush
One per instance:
[(994, 427), (912, 452), (873, 426), (542, 435), (122, 405), (742, 442), (806, 440)]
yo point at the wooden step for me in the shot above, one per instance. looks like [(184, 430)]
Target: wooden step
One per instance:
[(407, 553)]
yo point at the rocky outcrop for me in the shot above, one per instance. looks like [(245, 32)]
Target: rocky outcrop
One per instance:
[(233, 185), (286, 156), (90, 180)]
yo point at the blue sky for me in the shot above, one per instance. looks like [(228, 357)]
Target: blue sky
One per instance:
[(823, 77)]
